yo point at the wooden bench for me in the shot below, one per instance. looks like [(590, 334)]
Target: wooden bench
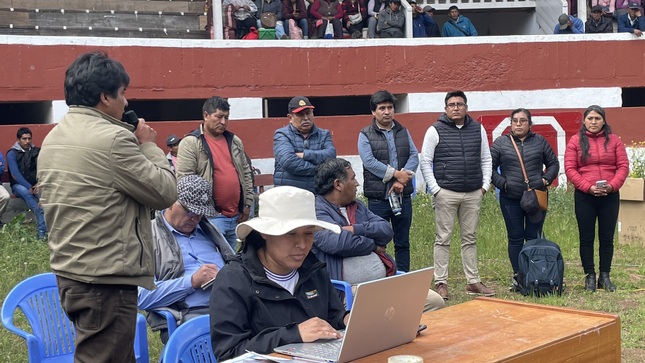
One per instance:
[(263, 180)]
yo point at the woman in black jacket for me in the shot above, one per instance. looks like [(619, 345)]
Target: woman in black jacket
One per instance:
[(276, 292), (542, 166)]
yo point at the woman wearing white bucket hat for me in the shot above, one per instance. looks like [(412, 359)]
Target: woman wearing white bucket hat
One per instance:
[(276, 292)]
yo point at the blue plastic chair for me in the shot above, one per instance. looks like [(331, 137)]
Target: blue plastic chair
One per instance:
[(346, 288), (190, 343), (53, 334)]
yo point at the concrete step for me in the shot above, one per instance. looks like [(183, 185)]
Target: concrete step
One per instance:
[(75, 19), (105, 32), (141, 6)]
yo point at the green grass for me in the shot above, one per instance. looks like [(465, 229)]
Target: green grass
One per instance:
[(23, 256)]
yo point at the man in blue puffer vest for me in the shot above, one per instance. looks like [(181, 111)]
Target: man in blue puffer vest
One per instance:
[(300, 146)]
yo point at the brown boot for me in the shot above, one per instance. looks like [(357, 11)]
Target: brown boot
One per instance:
[(442, 290), (479, 289)]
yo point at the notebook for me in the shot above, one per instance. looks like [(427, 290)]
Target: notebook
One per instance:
[(386, 314)]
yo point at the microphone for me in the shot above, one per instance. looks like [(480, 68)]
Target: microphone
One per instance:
[(131, 118)]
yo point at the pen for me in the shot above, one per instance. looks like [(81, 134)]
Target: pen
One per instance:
[(196, 259)]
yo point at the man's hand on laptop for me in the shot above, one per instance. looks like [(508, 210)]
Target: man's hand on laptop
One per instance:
[(316, 328)]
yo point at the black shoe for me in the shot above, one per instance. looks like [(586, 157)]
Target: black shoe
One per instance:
[(590, 282), (605, 283), (515, 285)]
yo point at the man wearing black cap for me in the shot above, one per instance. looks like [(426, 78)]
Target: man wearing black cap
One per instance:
[(632, 22), (300, 146), (172, 141), (421, 20), (431, 30), (598, 23), (569, 24)]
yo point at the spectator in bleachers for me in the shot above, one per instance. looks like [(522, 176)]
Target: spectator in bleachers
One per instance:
[(621, 8), (458, 25), (632, 22), (420, 21), (324, 12), (271, 6), (172, 141), (244, 19), (295, 10), (4, 194), (354, 17), (431, 30), (391, 21), (374, 7), (23, 159), (607, 7), (597, 23), (569, 24)]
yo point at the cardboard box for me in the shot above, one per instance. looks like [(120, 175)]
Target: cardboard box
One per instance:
[(633, 189), (267, 33), (631, 226)]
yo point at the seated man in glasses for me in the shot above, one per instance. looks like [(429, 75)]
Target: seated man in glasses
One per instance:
[(300, 146), (189, 252)]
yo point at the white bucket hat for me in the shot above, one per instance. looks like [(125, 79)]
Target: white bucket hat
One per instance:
[(283, 209)]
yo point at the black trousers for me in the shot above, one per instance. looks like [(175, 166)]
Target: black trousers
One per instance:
[(604, 210)]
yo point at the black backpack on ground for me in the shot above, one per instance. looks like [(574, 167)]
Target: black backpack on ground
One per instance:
[(541, 268)]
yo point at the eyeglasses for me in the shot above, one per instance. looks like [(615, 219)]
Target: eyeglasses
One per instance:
[(456, 105), (519, 121)]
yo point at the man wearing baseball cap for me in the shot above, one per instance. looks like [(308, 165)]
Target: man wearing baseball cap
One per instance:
[(172, 141), (597, 23), (632, 22), (300, 146), (431, 30), (569, 24), (189, 252)]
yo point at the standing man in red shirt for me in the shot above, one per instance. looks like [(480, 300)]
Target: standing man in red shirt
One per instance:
[(218, 156)]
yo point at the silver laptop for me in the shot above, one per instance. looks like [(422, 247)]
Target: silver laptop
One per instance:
[(386, 314)]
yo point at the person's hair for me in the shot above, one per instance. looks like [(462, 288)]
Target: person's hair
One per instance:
[(92, 74), (527, 112), (584, 140), (22, 131), (215, 103), (253, 239), (380, 97), (455, 93), (454, 7), (328, 172)]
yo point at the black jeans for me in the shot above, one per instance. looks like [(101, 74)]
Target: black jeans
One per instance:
[(518, 227), (588, 210), (104, 317), (401, 226)]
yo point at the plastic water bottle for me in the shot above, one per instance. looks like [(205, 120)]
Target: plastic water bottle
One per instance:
[(395, 202)]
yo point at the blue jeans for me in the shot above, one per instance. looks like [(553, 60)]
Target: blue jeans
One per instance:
[(32, 202), (226, 226), (518, 227), (303, 24), (401, 226)]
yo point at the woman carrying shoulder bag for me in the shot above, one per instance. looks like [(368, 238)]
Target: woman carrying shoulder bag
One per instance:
[(596, 163), (541, 165)]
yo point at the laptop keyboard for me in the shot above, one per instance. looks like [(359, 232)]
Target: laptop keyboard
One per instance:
[(326, 351)]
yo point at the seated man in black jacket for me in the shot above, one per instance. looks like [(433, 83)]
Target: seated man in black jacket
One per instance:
[(597, 23)]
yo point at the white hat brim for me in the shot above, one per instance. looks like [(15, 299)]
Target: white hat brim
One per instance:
[(275, 227)]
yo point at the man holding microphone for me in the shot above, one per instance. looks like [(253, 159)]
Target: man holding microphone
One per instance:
[(99, 177)]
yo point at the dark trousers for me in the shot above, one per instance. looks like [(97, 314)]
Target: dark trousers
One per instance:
[(401, 226), (104, 317), (518, 227), (336, 24), (244, 26), (605, 211)]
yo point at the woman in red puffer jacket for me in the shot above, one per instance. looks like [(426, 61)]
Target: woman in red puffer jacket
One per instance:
[(596, 163)]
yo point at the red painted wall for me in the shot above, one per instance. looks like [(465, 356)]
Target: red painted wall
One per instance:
[(257, 135), (35, 72)]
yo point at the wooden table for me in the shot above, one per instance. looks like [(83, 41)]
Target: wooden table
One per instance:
[(494, 330)]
